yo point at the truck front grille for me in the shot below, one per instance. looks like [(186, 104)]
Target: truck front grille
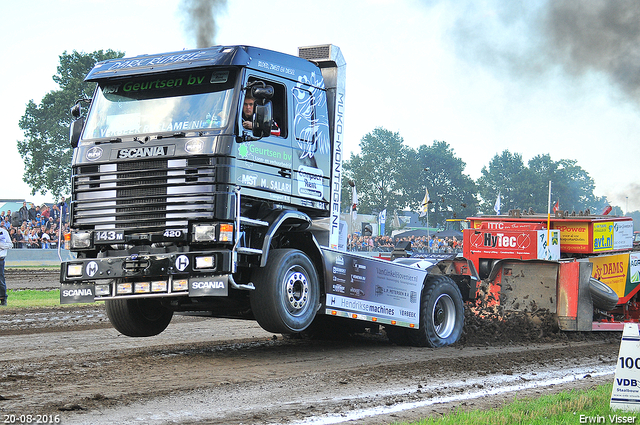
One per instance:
[(143, 195)]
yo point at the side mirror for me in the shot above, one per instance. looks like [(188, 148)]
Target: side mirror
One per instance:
[(265, 92), (75, 130), (262, 119), (76, 110)]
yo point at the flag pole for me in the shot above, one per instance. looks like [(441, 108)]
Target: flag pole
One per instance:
[(549, 214)]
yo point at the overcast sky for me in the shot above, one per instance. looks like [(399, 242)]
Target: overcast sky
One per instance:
[(534, 77)]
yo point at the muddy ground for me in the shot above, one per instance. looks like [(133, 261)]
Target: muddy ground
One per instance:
[(70, 362)]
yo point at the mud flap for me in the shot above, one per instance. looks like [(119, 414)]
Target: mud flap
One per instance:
[(71, 293)]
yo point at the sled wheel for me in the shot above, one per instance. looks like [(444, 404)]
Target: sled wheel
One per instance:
[(287, 292), (138, 317), (602, 295)]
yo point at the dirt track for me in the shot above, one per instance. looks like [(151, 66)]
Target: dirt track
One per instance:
[(72, 363)]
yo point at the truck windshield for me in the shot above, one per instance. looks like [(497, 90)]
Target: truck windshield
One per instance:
[(171, 102)]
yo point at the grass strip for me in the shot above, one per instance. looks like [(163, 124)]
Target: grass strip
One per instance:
[(567, 407), (31, 298)]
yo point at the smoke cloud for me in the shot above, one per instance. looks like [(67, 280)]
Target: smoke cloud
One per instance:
[(200, 19), (598, 35), (533, 39)]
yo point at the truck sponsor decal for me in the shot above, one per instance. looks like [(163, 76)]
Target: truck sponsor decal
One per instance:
[(91, 268), (276, 68), (363, 306), (266, 155), (159, 60), (182, 262), (310, 182)]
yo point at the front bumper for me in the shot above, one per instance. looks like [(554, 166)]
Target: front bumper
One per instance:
[(79, 278)]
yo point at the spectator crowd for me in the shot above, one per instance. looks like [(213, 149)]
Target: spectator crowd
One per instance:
[(36, 226), (356, 242)]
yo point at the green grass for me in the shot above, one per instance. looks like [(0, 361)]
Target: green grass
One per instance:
[(30, 298), (562, 408)]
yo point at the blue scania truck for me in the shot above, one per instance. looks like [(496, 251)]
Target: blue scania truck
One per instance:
[(185, 200)]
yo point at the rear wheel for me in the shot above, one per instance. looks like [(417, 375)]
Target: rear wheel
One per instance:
[(441, 316), (287, 292), (138, 317)]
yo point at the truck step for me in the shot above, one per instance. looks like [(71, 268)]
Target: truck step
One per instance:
[(251, 251), (252, 222)]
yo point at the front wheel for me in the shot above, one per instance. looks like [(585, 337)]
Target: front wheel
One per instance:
[(287, 292), (138, 317)]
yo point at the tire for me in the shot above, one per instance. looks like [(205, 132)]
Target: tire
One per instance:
[(138, 317), (441, 314), (602, 295), (287, 293)]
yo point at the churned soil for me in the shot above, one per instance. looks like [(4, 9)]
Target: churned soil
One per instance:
[(70, 362)]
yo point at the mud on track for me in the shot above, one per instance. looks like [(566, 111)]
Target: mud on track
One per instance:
[(70, 362)]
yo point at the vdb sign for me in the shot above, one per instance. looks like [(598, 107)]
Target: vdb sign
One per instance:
[(626, 385)]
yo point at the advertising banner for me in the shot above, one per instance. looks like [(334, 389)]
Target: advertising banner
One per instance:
[(574, 237), (372, 289), (603, 236), (611, 270), (623, 235)]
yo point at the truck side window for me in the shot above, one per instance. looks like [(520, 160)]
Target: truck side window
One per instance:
[(279, 105)]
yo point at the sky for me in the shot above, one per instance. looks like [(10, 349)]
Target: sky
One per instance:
[(554, 77)]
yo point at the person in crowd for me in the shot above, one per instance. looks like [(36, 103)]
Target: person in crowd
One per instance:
[(64, 212), (55, 213), (5, 244), (45, 239), (16, 237), (32, 212), (23, 212), (33, 240)]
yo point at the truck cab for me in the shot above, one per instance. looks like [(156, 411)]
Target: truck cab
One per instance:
[(176, 199)]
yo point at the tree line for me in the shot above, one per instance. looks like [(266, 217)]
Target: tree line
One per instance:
[(391, 175), (387, 173)]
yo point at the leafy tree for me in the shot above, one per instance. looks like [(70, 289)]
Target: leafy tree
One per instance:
[(452, 193), (45, 150), (380, 172), (506, 175), (570, 184), (528, 187)]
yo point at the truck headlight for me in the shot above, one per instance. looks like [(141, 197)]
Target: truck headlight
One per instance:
[(204, 232), (80, 240)]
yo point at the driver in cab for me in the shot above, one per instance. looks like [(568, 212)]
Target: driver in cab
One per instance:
[(247, 115)]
